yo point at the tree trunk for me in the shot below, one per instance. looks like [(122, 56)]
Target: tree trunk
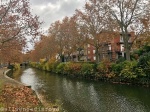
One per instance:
[(127, 50), (127, 47), (62, 58), (79, 56), (97, 55), (126, 38)]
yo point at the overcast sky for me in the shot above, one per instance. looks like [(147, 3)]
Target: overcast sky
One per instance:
[(50, 11)]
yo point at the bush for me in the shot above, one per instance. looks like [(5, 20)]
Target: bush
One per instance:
[(42, 61), (139, 72), (44, 66), (33, 64), (87, 69), (121, 59), (39, 66), (117, 68), (75, 69), (103, 68), (72, 68), (52, 64), (16, 66), (144, 59), (60, 68), (128, 70), (144, 63)]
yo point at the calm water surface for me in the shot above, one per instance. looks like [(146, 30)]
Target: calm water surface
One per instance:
[(77, 95)]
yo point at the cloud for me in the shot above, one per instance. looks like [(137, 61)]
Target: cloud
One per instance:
[(51, 10)]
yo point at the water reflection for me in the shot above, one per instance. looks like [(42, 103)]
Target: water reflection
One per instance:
[(87, 96)]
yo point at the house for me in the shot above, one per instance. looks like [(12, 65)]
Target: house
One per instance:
[(118, 47), (111, 50)]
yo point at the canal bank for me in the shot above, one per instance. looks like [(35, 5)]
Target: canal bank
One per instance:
[(126, 72), (78, 95), (21, 94), (4, 79)]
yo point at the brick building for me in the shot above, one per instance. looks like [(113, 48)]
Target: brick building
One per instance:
[(111, 50)]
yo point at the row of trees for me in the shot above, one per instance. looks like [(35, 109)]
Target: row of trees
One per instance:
[(95, 24), (16, 24)]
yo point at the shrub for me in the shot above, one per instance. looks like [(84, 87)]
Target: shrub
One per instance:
[(117, 68), (42, 61), (68, 68), (102, 68), (44, 66), (144, 63), (124, 69), (139, 72), (72, 68), (16, 66), (60, 68), (121, 59), (144, 59), (144, 49), (87, 69), (52, 64), (39, 66), (33, 64), (128, 70)]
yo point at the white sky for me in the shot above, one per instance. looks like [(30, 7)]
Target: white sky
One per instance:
[(50, 11)]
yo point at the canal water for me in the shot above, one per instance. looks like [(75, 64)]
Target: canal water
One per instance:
[(76, 95)]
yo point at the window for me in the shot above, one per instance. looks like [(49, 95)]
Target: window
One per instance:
[(93, 51), (109, 47), (94, 58), (122, 47), (121, 39), (88, 52)]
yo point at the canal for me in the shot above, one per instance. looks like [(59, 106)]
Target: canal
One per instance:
[(76, 95)]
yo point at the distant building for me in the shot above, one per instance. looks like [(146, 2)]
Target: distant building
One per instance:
[(111, 50)]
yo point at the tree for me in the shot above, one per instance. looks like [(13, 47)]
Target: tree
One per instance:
[(64, 37), (130, 15), (43, 49), (68, 37), (11, 52), (74, 39), (16, 23), (56, 31), (78, 35), (94, 19)]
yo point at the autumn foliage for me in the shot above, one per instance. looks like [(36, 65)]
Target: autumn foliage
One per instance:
[(13, 97), (96, 24), (16, 24)]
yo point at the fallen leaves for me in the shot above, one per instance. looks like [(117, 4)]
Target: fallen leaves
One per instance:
[(18, 97)]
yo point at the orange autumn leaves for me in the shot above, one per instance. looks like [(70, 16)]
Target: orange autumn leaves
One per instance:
[(18, 97)]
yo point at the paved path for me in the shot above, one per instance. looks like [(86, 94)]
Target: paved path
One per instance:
[(4, 79)]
